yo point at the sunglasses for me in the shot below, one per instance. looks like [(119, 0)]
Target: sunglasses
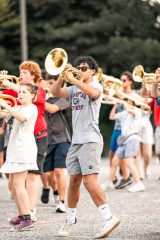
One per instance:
[(124, 80), (83, 68)]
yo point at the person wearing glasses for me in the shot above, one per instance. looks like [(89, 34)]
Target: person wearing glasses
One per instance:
[(128, 147), (84, 156), (127, 84)]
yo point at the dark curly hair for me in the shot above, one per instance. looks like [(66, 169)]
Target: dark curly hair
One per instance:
[(89, 60)]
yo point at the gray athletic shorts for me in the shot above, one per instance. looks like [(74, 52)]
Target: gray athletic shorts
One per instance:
[(128, 150), (84, 159)]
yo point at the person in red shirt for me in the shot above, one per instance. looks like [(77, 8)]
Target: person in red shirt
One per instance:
[(155, 92), (30, 72)]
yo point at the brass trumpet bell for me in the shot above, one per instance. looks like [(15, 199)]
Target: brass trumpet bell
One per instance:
[(56, 63), (139, 75)]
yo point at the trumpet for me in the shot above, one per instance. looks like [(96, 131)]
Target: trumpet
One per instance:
[(10, 100), (11, 78), (56, 63), (147, 78)]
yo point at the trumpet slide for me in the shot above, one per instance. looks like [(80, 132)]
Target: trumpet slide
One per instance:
[(110, 84), (123, 97)]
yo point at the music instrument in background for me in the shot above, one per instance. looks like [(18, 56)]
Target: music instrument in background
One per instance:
[(123, 97), (11, 78), (56, 63), (139, 75), (10, 100), (110, 84)]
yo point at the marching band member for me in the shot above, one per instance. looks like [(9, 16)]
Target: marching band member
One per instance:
[(84, 156), (155, 92), (128, 148), (127, 84), (21, 151), (59, 138), (30, 73), (146, 136)]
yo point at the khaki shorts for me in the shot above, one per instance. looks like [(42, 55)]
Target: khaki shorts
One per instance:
[(84, 159), (157, 140)]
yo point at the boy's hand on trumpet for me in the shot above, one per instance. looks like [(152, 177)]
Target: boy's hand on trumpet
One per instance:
[(3, 103), (5, 82)]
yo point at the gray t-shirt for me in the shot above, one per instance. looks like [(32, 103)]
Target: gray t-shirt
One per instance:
[(56, 126), (85, 115)]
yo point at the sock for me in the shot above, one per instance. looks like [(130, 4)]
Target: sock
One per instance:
[(105, 211), (71, 215), (46, 190), (55, 192), (26, 217)]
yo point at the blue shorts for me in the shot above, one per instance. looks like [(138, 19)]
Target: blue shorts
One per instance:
[(113, 143), (56, 156), (128, 150)]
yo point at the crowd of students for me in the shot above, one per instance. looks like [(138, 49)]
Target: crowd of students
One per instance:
[(40, 145)]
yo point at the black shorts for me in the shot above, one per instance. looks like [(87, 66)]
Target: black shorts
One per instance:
[(41, 147), (56, 156), (2, 143)]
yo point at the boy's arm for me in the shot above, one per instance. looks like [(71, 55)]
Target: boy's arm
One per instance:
[(92, 92), (8, 84), (113, 115), (154, 89), (129, 108), (57, 89), (51, 108), (12, 111)]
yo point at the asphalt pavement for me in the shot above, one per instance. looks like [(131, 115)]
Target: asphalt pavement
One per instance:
[(139, 213)]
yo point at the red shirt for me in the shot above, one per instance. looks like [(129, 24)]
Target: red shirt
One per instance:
[(156, 114), (40, 124)]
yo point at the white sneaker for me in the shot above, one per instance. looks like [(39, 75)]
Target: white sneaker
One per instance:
[(60, 207), (33, 215), (107, 186), (107, 227), (138, 187), (66, 229)]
